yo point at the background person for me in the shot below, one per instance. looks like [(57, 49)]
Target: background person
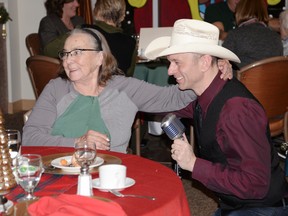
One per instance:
[(253, 40), (109, 15), (222, 15), (61, 18), (234, 156)]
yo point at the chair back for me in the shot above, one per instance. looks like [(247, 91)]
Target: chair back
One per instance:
[(33, 44), (268, 81), (41, 70)]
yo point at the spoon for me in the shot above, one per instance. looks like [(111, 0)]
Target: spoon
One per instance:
[(118, 194), (3, 201)]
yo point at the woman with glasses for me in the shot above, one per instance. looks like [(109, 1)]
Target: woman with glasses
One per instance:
[(61, 18), (93, 100)]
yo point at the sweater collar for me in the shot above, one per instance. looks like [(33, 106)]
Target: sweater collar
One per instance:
[(251, 21)]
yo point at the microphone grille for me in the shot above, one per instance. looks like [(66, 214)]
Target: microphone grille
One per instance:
[(172, 126)]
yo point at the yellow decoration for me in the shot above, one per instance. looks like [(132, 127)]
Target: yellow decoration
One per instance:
[(273, 2), (137, 3), (194, 8)]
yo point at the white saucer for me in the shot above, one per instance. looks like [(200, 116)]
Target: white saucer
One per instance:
[(128, 183), (8, 205)]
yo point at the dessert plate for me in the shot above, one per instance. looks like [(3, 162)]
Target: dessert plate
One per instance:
[(56, 163)]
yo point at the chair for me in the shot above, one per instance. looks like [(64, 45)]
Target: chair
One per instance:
[(136, 129), (268, 81), (41, 69), (33, 44)]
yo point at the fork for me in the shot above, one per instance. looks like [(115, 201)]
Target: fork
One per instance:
[(118, 194)]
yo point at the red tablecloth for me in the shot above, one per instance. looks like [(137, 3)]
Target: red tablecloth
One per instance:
[(151, 178)]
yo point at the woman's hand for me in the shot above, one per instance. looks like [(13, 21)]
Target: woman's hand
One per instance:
[(183, 153), (226, 68), (101, 140)]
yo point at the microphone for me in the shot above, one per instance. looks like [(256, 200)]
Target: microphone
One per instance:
[(172, 126), (174, 129)]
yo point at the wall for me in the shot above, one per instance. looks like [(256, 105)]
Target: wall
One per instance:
[(26, 15)]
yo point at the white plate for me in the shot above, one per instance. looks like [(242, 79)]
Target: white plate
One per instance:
[(128, 183), (56, 163), (8, 205)]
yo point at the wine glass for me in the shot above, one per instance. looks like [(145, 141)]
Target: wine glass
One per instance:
[(85, 153), (28, 174)]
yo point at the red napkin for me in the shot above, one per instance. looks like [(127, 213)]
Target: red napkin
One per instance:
[(72, 205)]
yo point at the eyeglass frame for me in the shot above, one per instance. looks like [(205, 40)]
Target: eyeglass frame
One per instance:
[(65, 54)]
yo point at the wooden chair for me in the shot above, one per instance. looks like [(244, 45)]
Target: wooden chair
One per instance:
[(33, 44), (136, 128), (41, 70), (268, 81)]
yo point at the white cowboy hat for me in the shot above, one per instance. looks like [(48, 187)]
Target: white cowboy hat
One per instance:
[(190, 35)]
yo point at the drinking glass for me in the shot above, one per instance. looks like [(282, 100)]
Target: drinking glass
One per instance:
[(85, 153), (14, 142), (28, 174)]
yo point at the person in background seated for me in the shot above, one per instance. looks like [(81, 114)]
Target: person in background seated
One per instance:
[(61, 18), (253, 40), (108, 17), (234, 156), (93, 100), (222, 15), (283, 19)]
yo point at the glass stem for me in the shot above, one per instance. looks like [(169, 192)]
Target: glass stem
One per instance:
[(29, 193)]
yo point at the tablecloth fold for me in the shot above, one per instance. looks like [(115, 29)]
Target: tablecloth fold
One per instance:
[(72, 205)]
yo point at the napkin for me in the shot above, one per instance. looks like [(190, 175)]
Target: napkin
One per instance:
[(72, 205)]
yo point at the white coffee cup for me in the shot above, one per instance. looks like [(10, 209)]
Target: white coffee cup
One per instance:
[(112, 176)]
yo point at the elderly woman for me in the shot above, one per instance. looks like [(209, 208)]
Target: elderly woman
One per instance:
[(61, 18), (93, 100)]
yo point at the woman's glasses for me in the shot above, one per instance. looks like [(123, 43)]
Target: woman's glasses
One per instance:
[(63, 55)]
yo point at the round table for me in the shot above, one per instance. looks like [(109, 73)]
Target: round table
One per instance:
[(152, 179)]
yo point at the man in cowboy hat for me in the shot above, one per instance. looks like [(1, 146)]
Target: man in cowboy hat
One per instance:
[(233, 156)]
